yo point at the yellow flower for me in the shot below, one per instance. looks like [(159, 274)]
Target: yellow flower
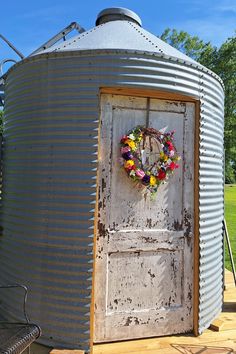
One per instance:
[(131, 144), (162, 155), (140, 137), (153, 180), (128, 164), (165, 157), (176, 158)]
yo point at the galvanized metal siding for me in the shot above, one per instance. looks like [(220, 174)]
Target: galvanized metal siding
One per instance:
[(211, 199), (49, 194), (118, 34), (49, 191)]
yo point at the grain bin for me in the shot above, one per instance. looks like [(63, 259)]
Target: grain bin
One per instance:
[(103, 261)]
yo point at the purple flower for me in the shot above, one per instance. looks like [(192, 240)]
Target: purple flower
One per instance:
[(127, 155), (146, 179), (166, 150)]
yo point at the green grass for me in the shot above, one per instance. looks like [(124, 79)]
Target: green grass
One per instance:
[(230, 216)]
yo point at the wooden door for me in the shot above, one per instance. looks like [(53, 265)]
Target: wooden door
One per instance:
[(144, 246)]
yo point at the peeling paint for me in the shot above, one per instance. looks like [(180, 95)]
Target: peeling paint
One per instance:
[(152, 275), (147, 264), (177, 225)]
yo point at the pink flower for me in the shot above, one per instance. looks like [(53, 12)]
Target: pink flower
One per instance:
[(140, 173), (171, 153), (124, 149)]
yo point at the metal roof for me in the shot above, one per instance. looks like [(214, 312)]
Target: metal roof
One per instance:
[(117, 13), (118, 34)]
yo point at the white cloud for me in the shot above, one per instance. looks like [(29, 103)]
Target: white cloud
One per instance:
[(226, 6)]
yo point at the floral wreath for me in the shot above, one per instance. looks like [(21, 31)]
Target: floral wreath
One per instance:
[(138, 166)]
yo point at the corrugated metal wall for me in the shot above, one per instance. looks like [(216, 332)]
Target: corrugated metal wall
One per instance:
[(211, 202), (52, 112), (49, 194)]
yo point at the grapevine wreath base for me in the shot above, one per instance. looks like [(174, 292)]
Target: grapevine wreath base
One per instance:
[(149, 156)]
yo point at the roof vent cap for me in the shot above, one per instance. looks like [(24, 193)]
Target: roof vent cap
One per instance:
[(117, 13)]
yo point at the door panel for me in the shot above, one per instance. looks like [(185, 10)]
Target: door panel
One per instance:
[(144, 263), (139, 286), (172, 192)]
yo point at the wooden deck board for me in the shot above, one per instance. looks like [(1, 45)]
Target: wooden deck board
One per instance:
[(210, 342)]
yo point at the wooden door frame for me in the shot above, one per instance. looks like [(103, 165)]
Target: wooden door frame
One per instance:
[(164, 95)]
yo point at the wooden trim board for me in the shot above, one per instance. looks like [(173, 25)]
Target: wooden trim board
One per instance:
[(165, 95)]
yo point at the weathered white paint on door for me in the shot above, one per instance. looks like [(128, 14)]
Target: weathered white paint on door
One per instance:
[(144, 247)]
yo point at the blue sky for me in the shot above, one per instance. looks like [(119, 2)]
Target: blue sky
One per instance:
[(28, 24)]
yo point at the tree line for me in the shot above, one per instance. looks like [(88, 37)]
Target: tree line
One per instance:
[(1, 121), (222, 61)]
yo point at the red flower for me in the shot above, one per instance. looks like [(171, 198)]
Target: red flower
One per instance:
[(161, 175), (172, 166), (170, 145), (124, 137)]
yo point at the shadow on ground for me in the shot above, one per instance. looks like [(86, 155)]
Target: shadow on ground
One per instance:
[(229, 307), (201, 349)]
